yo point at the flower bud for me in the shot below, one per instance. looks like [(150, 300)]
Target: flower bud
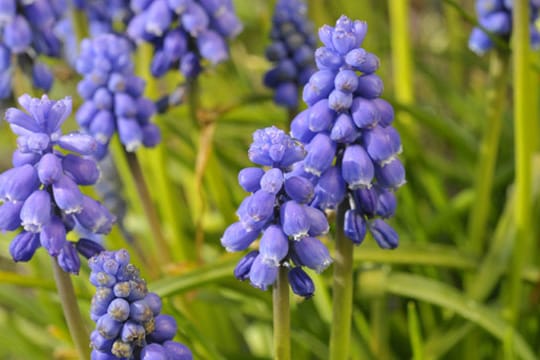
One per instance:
[(386, 237), (301, 283)]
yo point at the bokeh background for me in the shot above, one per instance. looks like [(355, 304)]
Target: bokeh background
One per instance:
[(434, 297)]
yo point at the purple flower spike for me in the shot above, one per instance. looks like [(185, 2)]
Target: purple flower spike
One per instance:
[(128, 318), (496, 18), (291, 51), (114, 102), (45, 181), (278, 209), (183, 33)]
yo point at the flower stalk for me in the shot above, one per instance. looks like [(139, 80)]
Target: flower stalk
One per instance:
[(72, 313), (340, 332), (148, 206), (523, 124), (282, 321), (495, 98)]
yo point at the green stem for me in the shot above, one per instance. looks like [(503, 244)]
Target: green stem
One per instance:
[(72, 313), (156, 159), (282, 318), (148, 206), (402, 59), (456, 38), (80, 24), (523, 124), (495, 98), (340, 332)]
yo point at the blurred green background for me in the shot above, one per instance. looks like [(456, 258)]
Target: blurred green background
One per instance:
[(434, 297)]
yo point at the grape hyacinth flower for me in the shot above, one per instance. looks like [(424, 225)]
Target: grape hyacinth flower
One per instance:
[(129, 323), (41, 192), (183, 33), (104, 15), (351, 145), (113, 96), (27, 30), (495, 16), (292, 48), (278, 209)]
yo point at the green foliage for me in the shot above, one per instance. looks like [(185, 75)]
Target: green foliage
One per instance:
[(431, 298)]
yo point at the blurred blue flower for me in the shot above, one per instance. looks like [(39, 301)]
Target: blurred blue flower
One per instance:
[(184, 33), (128, 318), (41, 193), (291, 51), (495, 16), (113, 96), (27, 30), (105, 16)]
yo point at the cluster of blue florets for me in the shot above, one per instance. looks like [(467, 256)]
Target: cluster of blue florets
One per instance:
[(129, 323), (183, 32), (351, 145), (41, 192), (113, 95), (293, 44), (27, 30), (105, 16), (495, 16), (278, 208)]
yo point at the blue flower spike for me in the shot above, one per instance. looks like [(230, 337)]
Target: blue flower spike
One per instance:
[(128, 318), (185, 35), (27, 31), (352, 147), (291, 52), (113, 96), (495, 16), (41, 194), (278, 212)]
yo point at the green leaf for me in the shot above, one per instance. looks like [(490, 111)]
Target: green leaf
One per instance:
[(435, 292), (204, 275), (413, 254)]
